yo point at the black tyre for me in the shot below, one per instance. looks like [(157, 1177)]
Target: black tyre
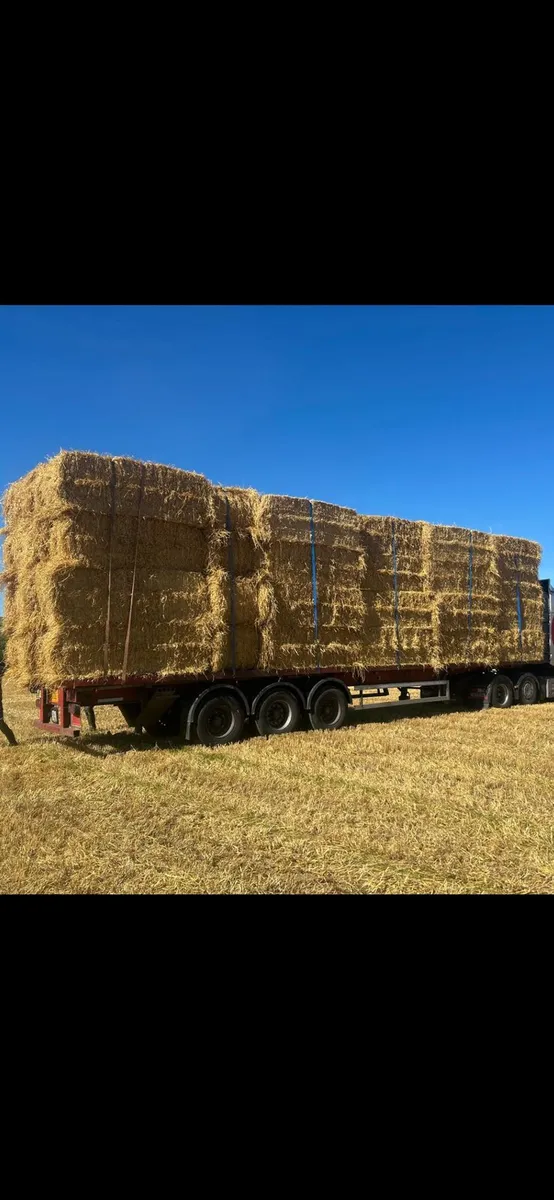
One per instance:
[(168, 726), (279, 712), (220, 720), (329, 709), (528, 690), (500, 692), (130, 713)]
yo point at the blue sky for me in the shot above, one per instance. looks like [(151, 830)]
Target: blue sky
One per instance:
[(440, 413)]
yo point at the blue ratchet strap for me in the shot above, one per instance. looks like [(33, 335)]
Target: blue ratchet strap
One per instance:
[(470, 584), (519, 608), (396, 612), (314, 575), (232, 588)]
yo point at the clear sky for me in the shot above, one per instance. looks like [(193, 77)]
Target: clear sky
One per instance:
[(439, 413)]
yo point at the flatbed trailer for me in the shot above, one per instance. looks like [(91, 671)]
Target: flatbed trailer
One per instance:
[(214, 709)]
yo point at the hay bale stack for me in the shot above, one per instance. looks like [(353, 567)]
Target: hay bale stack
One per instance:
[(235, 564), (340, 574), (463, 577), (474, 578), (397, 597), (209, 579), (296, 632), (63, 534), (517, 564)]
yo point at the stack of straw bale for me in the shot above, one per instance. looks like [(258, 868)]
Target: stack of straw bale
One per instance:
[(289, 637), (398, 600), (475, 578), (463, 577), (235, 566), (61, 537), (117, 567), (518, 562)]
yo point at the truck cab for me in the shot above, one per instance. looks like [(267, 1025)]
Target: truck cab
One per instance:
[(546, 584)]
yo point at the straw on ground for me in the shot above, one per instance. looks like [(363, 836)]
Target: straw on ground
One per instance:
[(447, 802)]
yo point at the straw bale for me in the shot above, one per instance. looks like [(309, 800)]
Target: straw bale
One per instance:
[(529, 649), (84, 538), (242, 504), (74, 480)]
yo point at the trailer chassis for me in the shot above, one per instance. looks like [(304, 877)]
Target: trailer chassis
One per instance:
[(278, 703)]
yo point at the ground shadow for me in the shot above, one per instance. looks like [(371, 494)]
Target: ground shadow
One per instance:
[(100, 745), (382, 716)]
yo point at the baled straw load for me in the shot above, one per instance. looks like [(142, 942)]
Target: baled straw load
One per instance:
[(235, 563), (70, 560), (116, 568), (475, 579), (299, 537), (398, 601)]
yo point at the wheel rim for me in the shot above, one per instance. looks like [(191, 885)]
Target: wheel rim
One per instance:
[(278, 714), (529, 691), (220, 720), (500, 694), (328, 709)]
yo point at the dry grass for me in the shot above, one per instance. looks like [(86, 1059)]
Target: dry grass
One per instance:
[(448, 802)]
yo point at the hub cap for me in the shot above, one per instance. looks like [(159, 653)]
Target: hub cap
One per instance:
[(278, 714), (328, 709), (220, 721)]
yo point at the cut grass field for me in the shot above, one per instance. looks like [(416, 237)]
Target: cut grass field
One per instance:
[(441, 802)]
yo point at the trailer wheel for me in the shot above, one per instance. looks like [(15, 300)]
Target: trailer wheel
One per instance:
[(279, 712), (130, 713), (528, 690), (500, 692), (329, 709), (220, 720)]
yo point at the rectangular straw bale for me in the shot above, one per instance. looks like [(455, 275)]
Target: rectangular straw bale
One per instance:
[(84, 538), (80, 481), (530, 648)]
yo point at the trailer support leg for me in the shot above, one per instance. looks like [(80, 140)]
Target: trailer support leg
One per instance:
[(90, 716)]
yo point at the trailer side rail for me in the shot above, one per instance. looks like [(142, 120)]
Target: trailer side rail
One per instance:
[(427, 693)]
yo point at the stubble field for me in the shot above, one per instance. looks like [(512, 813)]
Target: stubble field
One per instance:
[(430, 802)]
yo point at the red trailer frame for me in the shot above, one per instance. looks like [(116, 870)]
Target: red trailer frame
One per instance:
[(60, 709)]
